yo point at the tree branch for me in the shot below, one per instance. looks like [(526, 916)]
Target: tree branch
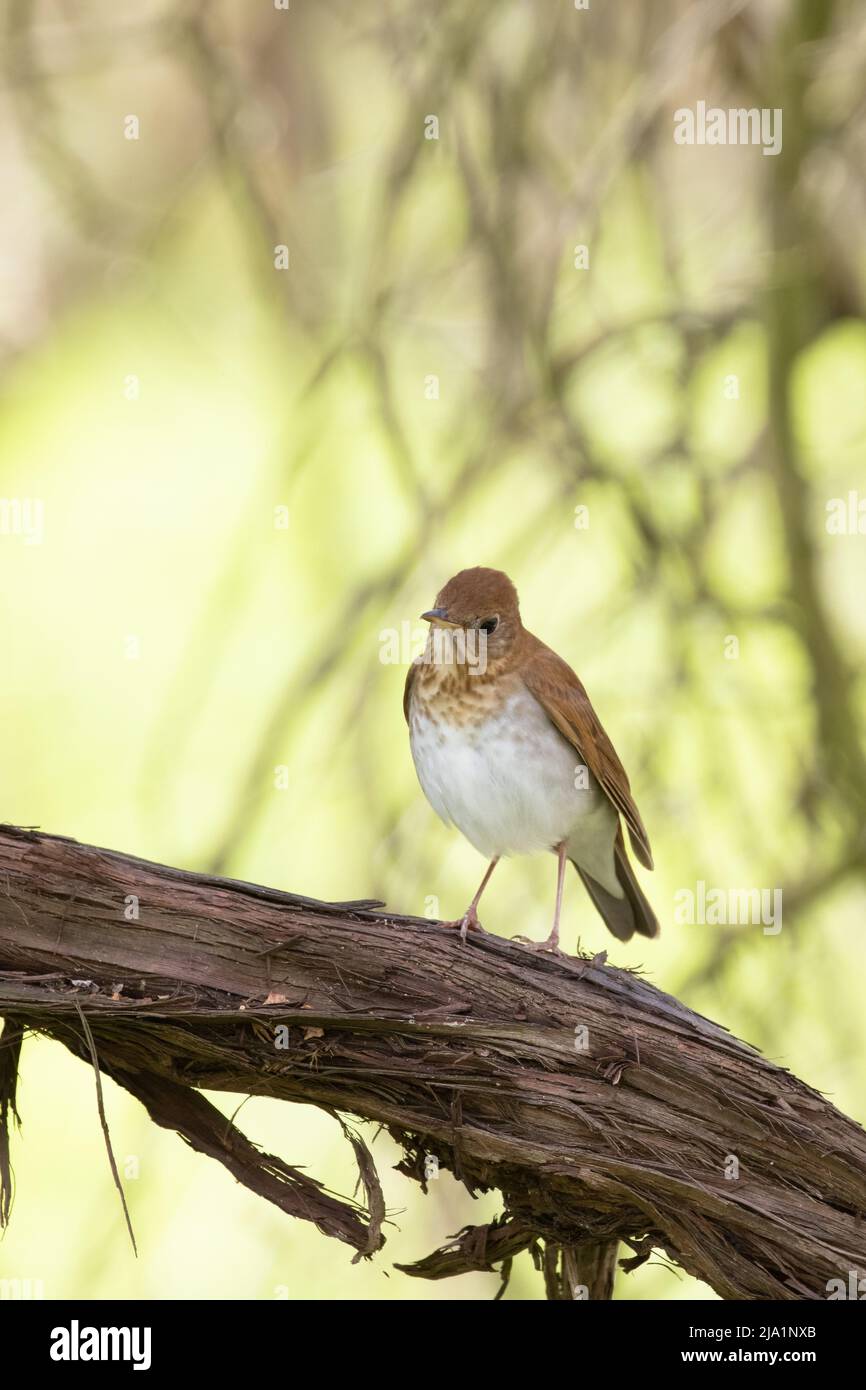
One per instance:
[(602, 1109)]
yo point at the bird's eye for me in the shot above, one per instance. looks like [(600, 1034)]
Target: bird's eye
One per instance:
[(489, 625)]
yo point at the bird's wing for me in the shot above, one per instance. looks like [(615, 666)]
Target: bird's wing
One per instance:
[(407, 688), (566, 703)]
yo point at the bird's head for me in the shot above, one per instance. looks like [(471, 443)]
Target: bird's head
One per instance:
[(483, 601)]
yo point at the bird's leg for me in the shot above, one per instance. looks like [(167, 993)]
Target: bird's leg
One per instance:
[(552, 942), (469, 921)]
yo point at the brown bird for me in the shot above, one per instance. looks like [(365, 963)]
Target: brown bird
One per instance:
[(508, 748)]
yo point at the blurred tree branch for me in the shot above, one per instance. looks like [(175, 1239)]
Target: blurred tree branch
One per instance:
[(601, 1108)]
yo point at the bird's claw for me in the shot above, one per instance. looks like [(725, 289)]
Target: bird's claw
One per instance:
[(552, 947), (465, 924)]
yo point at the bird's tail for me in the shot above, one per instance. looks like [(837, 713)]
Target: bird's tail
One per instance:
[(626, 915)]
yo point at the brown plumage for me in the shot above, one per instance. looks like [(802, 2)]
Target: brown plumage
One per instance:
[(509, 748)]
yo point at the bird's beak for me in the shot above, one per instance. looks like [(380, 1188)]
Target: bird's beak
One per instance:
[(438, 615)]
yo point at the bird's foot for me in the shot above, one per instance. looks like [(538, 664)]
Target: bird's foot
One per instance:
[(550, 944), (465, 924)]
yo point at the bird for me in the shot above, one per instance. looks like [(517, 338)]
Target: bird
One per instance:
[(509, 750)]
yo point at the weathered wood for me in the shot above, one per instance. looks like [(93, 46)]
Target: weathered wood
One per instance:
[(469, 1055)]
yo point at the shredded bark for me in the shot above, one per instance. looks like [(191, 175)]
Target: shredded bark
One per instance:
[(465, 1054), (100, 1106)]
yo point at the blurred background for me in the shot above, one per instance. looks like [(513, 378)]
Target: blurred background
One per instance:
[(302, 309)]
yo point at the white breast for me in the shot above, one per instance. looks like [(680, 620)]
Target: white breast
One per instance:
[(511, 784)]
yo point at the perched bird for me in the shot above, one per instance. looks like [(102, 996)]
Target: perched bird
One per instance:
[(508, 748)]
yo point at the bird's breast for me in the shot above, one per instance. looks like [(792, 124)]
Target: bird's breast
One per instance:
[(496, 767)]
